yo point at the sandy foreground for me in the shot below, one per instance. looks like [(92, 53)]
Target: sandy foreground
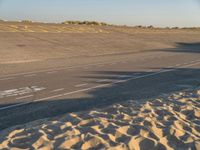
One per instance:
[(168, 122)]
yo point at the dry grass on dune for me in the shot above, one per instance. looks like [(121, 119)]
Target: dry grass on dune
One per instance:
[(170, 122), (28, 27)]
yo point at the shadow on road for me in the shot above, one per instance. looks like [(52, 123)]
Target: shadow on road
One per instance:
[(138, 90), (185, 48)]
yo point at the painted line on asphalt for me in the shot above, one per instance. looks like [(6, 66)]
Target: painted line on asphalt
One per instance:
[(80, 85), (125, 76), (57, 90), (98, 86), (20, 91), (102, 80), (178, 65), (7, 78), (108, 84), (30, 75)]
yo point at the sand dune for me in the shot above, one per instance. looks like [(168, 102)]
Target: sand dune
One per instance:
[(168, 122), (45, 28)]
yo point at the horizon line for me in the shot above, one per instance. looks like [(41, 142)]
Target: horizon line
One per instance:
[(109, 24)]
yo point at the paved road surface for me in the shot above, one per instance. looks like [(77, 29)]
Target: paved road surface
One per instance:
[(46, 93)]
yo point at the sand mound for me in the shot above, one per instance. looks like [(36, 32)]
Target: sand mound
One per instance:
[(170, 122)]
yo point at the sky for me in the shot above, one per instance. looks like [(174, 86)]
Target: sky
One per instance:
[(163, 13)]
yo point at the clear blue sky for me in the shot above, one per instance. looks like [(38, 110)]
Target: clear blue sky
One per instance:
[(130, 12)]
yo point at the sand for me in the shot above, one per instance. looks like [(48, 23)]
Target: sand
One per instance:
[(44, 28), (168, 122)]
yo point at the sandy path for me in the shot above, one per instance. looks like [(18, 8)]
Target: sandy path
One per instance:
[(168, 122)]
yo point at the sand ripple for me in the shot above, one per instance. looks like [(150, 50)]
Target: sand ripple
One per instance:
[(170, 122)]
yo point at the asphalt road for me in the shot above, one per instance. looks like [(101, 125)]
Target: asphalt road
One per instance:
[(45, 93)]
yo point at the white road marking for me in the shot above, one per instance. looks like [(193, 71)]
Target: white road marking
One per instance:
[(125, 76), (6, 78), (102, 80), (15, 105), (80, 85), (98, 86), (177, 65), (23, 97), (20, 91), (30, 75), (57, 90)]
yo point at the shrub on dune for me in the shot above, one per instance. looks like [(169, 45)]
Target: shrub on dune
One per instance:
[(85, 23)]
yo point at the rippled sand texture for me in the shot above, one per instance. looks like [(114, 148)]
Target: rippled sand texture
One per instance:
[(170, 122)]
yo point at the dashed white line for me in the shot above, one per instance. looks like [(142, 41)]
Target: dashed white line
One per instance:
[(125, 76), (102, 80), (15, 105), (57, 90), (23, 97), (20, 91), (6, 78), (177, 65), (98, 86), (80, 85)]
